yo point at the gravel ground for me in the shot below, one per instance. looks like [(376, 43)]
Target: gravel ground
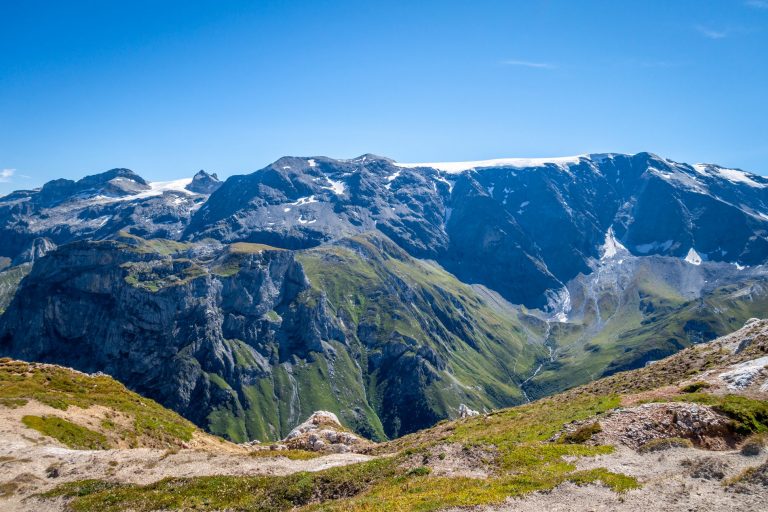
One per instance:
[(32, 463), (668, 485)]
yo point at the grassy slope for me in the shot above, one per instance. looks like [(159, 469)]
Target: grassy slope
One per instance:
[(395, 299), (137, 421), (521, 457), (650, 320), (524, 462), (386, 297), (9, 282)]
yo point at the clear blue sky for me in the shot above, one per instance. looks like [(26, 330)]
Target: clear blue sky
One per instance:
[(170, 87)]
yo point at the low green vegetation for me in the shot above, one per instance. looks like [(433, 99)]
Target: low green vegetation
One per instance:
[(470, 351), (158, 275), (694, 387), (160, 246), (249, 248), (749, 478), (230, 263), (13, 403), (658, 445), (524, 461), (146, 422), (288, 454), (9, 283), (754, 444), (582, 434), (749, 415), (66, 432), (262, 493)]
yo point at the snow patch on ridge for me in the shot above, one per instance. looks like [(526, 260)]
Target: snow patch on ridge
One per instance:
[(305, 200), (519, 163), (156, 188), (392, 177), (693, 257), (732, 175), (337, 187), (611, 247)]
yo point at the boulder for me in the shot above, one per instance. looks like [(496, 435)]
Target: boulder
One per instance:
[(465, 412), (323, 432)]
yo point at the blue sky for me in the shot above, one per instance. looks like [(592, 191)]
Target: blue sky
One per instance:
[(169, 87)]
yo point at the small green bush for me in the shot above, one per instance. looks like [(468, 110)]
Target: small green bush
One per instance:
[(695, 386), (68, 433), (419, 471), (582, 434), (657, 445), (754, 445)]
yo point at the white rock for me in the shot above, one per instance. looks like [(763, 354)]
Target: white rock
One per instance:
[(742, 374), (465, 412)]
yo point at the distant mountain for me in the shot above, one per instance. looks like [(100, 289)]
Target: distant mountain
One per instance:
[(98, 207), (388, 293), (519, 226)]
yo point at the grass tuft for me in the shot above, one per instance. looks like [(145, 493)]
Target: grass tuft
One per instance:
[(658, 445), (582, 434), (60, 388), (695, 386), (66, 432)]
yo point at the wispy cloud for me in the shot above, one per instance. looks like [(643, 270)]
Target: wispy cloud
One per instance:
[(711, 33), (757, 4), (528, 64), (6, 175)]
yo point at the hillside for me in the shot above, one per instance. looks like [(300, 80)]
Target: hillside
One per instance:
[(683, 433), (248, 340), (85, 411)]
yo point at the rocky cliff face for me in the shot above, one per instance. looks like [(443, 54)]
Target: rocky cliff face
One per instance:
[(238, 340), (204, 183), (157, 323)]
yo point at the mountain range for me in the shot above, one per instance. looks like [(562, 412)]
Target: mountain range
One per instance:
[(385, 292)]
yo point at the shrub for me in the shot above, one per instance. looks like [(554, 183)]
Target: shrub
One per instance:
[(657, 445), (68, 433), (419, 471), (695, 386), (754, 445), (582, 434)]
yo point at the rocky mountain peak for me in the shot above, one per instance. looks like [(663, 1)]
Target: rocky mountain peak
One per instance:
[(112, 183), (204, 183)]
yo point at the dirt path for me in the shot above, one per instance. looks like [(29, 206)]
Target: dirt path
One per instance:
[(668, 480), (31, 463)]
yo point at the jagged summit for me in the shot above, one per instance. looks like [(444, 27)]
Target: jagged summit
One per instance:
[(114, 183), (204, 183)]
